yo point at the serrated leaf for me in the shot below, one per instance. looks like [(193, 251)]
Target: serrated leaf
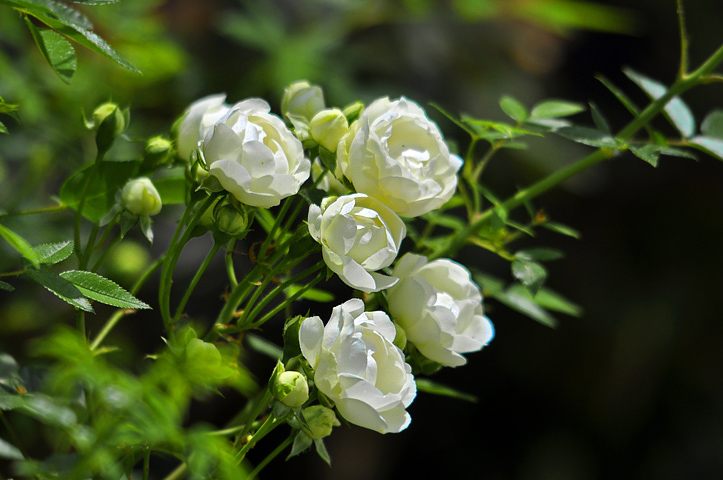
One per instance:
[(561, 229), (56, 49), (103, 290), (513, 108), (6, 286), (321, 450), (10, 402), (22, 246), (712, 125), (313, 294), (54, 9), (540, 254), (677, 112), (264, 346), (649, 153), (52, 253), (675, 152), (428, 386), (86, 38), (61, 287), (301, 442), (530, 273), (9, 451), (710, 145), (555, 109), (588, 136)]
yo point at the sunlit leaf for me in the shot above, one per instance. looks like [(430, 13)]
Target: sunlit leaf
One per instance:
[(710, 145), (20, 244), (56, 49), (102, 290), (264, 346), (675, 111), (540, 254), (588, 136), (61, 287), (513, 108), (549, 300), (52, 253), (555, 109), (562, 15), (530, 273)]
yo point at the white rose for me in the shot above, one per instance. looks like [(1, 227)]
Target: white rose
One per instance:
[(394, 153), (440, 309), (197, 121), (358, 235), (359, 368), (254, 155)]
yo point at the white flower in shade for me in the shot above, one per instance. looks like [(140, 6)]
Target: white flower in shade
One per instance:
[(394, 153), (200, 116), (357, 366), (440, 309), (254, 156), (359, 235)]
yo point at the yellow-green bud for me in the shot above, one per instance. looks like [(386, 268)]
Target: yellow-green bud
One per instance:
[(158, 150), (103, 111), (291, 389), (352, 112), (400, 339), (320, 421), (140, 197), (327, 128), (301, 99), (231, 221)]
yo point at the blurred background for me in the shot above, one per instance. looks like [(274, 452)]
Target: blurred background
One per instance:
[(631, 390)]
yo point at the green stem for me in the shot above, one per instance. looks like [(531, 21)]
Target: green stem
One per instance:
[(277, 223), (106, 252), (231, 272), (118, 314), (195, 280), (270, 424), (683, 68), (80, 322), (263, 402), (33, 211), (289, 440), (146, 462), (178, 473), (89, 247), (288, 301), (14, 273)]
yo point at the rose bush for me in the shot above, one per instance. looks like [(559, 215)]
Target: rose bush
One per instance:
[(394, 153), (357, 366), (199, 118), (359, 235), (440, 309), (254, 156)]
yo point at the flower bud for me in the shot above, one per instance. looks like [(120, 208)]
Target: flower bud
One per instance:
[(102, 113), (301, 99), (230, 220), (320, 421), (291, 389), (157, 152), (140, 197), (327, 128), (352, 111)]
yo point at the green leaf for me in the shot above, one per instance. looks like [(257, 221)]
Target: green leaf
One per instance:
[(172, 188), (622, 98), (8, 367), (516, 300), (84, 37), (10, 402), (712, 125), (54, 9), (9, 451), (588, 136), (8, 108), (555, 109), (313, 294), (599, 120), (52, 253), (103, 290), (675, 111), (649, 153), (321, 450), (94, 2), (530, 273), (492, 131), (46, 410), (513, 108), (563, 15), (428, 386), (61, 287), (328, 159), (561, 229), (539, 254), (301, 442), (56, 49), (675, 152), (549, 300), (3, 128), (6, 286), (710, 145), (264, 346), (21, 245)]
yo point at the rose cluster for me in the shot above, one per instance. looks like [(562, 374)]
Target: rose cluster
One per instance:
[(380, 166)]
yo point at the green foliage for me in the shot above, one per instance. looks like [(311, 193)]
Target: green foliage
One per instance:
[(429, 386), (56, 49), (103, 290)]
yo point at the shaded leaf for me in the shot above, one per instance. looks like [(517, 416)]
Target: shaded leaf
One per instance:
[(540, 254), (627, 103), (56, 49), (513, 108), (301, 442), (712, 125), (675, 111), (3, 128), (6, 286), (313, 294), (9, 451), (321, 450), (52, 253), (264, 346), (561, 229), (588, 136), (103, 290), (549, 300), (94, 2), (649, 153), (555, 109), (61, 287), (429, 386), (172, 189), (530, 273), (20, 244), (599, 120), (710, 145)]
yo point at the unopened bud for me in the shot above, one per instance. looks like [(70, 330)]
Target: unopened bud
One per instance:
[(352, 112), (301, 99), (102, 112), (291, 389), (327, 128), (140, 197), (158, 152), (320, 421), (230, 220)]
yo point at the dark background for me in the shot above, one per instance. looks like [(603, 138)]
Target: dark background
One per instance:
[(631, 390)]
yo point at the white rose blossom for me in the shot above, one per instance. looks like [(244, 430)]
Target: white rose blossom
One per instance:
[(394, 153), (199, 118), (254, 155), (357, 366), (440, 309), (359, 235)]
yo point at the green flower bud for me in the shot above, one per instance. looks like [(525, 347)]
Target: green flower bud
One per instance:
[(327, 128), (140, 197), (352, 112), (291, 389), (102, 112), (303, 100), (158, 152), (204, 362), (230, 220), (320, 421)]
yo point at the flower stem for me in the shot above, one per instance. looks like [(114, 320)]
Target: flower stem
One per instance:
[(229, 263), (289, 440), (33, 211), (270, 424), (195, 280), (288, 301)]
